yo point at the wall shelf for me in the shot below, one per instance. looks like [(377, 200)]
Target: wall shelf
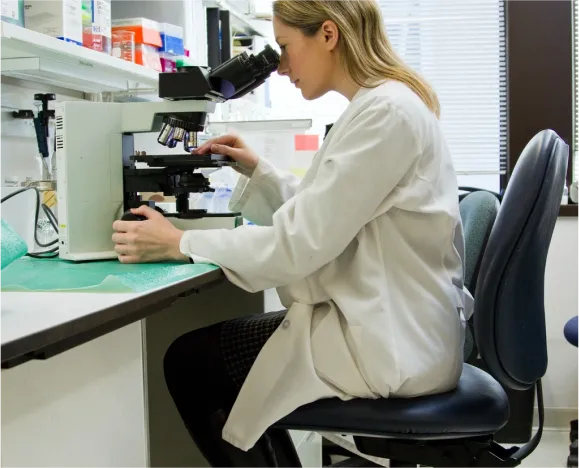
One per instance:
[(260, 125), (38, 58), (568, 210), (240, 21)]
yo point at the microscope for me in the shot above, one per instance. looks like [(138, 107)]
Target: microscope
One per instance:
[(101, 175)]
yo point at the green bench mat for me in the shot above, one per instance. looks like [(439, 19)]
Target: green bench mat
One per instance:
[(51, 275)]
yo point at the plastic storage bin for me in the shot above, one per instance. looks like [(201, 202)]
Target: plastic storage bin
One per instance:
[(124, 45), (146, 31), (168, 62), (148, 56), (172, 38)]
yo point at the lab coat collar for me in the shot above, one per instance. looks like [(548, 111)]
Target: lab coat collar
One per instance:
[(369, 85)]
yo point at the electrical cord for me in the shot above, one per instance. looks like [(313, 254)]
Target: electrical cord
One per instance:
[(53, 252), (50, 216)]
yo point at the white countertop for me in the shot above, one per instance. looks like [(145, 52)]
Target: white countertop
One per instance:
[(26, 313), (37, 325)]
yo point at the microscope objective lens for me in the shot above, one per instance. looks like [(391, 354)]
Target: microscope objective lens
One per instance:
[(190, 141), (179, 133), (165, 134)]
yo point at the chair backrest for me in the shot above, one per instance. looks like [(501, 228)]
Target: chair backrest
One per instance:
[(509, 315), (478, 211), (465, 191)]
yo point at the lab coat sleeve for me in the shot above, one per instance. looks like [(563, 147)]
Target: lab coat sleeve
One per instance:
[(317, 224), (259, 196)]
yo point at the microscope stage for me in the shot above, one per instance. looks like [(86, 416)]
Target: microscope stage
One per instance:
[(185, 161)]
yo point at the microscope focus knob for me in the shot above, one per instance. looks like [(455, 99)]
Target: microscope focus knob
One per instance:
[(130, 216)]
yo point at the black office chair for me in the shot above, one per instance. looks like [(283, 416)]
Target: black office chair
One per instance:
[(478, 212), (570, 332), (457, 428), (464, 191)]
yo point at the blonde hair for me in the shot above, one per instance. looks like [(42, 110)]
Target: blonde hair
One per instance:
[(365, 51)]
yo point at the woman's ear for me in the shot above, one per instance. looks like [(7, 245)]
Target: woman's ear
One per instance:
[(330, 34)]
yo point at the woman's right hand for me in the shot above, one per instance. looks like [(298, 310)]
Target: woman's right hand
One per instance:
[(234, 147)]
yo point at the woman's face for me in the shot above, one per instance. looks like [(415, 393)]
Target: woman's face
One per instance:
[(309, 62)]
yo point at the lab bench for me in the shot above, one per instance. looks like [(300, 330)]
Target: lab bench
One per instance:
[(82, 373)]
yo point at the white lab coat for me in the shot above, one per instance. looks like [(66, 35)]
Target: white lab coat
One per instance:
[(366, 254)]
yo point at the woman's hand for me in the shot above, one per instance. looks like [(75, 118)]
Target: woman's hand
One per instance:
[(234, 147), (153, 240)]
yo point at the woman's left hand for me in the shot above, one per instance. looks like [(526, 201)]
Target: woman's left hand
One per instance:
[(152, 240)]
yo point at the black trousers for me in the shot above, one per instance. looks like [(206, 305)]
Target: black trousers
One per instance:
[(204, 372)]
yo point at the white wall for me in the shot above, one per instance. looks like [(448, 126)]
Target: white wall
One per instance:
[(20, 157), (19, 148), (560, 383)]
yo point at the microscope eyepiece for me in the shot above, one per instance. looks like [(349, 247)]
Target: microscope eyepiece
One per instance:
[(243, 73), (231, 80), (266, 61)]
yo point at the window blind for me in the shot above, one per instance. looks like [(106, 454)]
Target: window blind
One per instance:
[(459, 47)]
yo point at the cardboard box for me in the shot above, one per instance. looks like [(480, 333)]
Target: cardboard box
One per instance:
[(57, 18)]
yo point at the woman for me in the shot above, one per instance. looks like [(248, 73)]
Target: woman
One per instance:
[(365, 251)]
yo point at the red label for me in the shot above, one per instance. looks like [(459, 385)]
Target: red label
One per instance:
[(307, 142)]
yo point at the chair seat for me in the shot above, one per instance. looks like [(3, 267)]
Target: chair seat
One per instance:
[(571, 331), (478, 406)]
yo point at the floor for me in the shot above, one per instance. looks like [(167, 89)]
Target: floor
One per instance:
[(552, 451)]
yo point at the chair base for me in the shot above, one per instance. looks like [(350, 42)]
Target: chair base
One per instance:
[(479, 451), (399, 464), (330, 449), (573, 431), (572, 459), (355, 462)]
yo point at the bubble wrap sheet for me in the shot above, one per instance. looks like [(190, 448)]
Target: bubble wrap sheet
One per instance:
[(13, 247), (28, 274)]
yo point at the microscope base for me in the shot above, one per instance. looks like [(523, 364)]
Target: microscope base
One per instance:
[(210, 221)]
